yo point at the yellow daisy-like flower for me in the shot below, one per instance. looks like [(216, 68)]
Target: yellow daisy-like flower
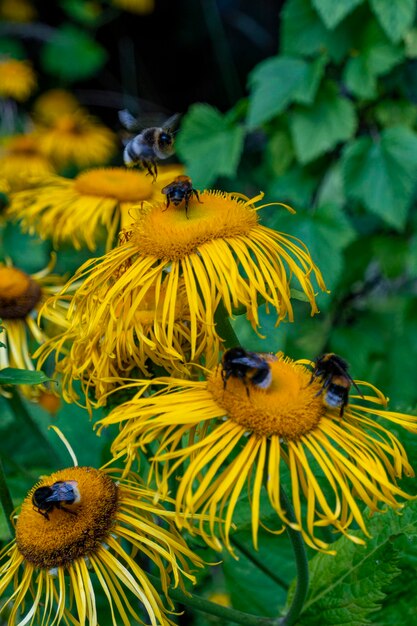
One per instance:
[(17, 79), (21, 161), (88, 536), (21, 296), (77, 139), (101, 361), (240, 434), (141, 7), (81, 210), (55, 103)]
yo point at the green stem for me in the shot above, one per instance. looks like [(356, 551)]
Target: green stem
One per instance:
[(258, 562), (225, 613), (21, 413), (6, 500), (302, 566), (224, 327)]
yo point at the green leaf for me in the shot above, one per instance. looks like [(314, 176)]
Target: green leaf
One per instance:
[(71, 54), (410, 40), (382, 173), (14, 376), (279, 152), (306, 92), (12, 48), (373, 56), (332, 190), (332, 12), (396, 113), (273, 83), (87, 13), (303, 33), (395, 17), (251, 590), (347, 588), (295, 187), (209, 145), (318, 129)]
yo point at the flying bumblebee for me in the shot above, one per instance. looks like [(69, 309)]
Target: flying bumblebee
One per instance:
[(336, 381), (151, 144), (252, 368), (46, 498), (181, 189)]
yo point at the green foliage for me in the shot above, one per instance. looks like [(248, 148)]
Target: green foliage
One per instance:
[(382, 173), (347, 588), (14, 376), (333, 12), (395, 18), (209, 144), (72, 54)]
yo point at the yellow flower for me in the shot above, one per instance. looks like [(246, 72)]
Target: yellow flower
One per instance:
[(142, 7), (61, 553), (17, 11), (177, 269), (76, 139), (101, 361), (21, 161), (83, 209), (55, 103), (21, 296), (17, 79), (245, 435)]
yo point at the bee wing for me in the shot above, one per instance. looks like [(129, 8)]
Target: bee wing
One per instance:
[(172, 122), (128, 120), (62, 491)]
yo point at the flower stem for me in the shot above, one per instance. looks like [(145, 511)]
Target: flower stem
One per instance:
[(224, 327), (302, 566), (21, 413), (225, 613), (258, 563), (5, 499)]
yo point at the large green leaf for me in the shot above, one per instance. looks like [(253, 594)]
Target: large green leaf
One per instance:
[(15, 376), (347, 588), (382, 173), (395, 17), (274, 83), (209, 144), (71, 54), (332, 12), (303, 33), (320, 128)]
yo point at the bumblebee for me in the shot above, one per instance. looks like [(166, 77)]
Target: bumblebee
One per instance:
[(46, 498), (252, 368), (336, 381), (181, 189), (151, 144)]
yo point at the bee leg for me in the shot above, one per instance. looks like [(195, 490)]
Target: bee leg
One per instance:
[(186, 206), (64, 508), (195, 192), (155, 170), (168, 203)]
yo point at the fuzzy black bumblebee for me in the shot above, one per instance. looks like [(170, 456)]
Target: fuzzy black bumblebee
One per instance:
[(181, 189), (150, 145), (46, 498), (252, 368), (336, 381)]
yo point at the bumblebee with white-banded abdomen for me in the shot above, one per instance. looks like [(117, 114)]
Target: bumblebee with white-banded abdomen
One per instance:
[(336, 381), (48, 497), (252, 368), (150, 145)]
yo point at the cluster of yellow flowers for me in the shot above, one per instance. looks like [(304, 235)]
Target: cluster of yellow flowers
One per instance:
[(150, 315)]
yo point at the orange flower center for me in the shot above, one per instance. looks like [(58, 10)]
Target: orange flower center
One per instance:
[(73, 530), (168, 233), (19, 293), (124, 185), (289, 407)]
